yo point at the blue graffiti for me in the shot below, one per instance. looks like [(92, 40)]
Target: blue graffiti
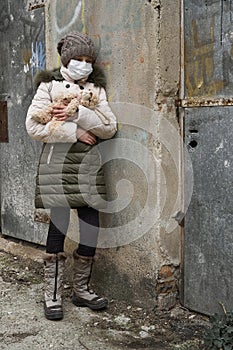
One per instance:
[(38, 59)]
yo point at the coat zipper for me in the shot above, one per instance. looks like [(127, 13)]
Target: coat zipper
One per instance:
[(50, 154)]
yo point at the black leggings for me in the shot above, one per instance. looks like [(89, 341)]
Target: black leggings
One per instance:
[(88, 228)]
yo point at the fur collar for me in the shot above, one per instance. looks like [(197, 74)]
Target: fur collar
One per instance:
[(97, 77)]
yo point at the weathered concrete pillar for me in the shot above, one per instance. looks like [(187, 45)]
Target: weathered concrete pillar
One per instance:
[(139, 49)]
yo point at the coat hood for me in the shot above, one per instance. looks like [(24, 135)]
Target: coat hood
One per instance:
[(97, 77)]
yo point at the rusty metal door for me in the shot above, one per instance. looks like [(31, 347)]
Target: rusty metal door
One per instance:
[(22, 48), (206, 103)]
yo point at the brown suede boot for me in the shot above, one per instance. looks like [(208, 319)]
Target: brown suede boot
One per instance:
[(82, 295), (53, 274)]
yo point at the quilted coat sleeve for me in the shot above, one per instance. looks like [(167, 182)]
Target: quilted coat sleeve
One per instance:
[(101, 121), (64, 132)]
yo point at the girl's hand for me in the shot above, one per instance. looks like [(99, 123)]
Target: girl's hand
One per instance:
[(86, 136), (59, 112)]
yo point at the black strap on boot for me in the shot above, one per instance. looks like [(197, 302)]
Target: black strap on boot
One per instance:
[(55, 280)]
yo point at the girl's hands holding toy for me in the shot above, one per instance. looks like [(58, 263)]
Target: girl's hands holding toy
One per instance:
[(86, 136), (59, 112)]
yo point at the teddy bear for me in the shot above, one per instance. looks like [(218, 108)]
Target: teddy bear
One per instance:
[(86, 98)]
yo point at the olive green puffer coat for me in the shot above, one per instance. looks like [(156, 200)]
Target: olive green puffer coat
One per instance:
[(70, 175), (70, 172)]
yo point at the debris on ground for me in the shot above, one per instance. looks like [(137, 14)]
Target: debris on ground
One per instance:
[(121, 326)]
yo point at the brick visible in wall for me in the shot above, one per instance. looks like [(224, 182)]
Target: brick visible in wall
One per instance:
[(167, 301), (167, 287), (165, 272), (3, 122)]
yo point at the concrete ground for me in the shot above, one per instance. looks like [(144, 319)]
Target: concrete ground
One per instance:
[(122, 326)]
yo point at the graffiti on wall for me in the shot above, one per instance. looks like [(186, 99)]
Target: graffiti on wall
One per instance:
[(208, 48), (34, 58), (75, 14), (72, 14), (114, 33), (199, 61), (22, 45), (121, 25)]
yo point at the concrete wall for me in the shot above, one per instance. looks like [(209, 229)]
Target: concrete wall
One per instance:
[(22, 48), (139, 50)]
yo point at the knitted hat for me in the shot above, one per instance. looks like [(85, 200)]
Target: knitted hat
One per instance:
[(75, 44)]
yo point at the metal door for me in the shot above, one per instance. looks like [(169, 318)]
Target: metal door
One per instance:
[(22, 54), (208, 129)]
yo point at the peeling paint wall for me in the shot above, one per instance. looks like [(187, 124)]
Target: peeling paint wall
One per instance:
[(138, 46), (22, 48), (208, 82)]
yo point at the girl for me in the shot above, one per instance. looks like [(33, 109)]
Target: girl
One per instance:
[(69, 171)]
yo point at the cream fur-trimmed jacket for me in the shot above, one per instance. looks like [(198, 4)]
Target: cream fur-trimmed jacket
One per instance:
[(87, 119), (70, 172)]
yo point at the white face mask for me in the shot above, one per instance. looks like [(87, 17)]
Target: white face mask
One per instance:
[(79, 69)]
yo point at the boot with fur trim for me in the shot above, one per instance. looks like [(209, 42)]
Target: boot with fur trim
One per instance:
[(53, 274), (82, 295)]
